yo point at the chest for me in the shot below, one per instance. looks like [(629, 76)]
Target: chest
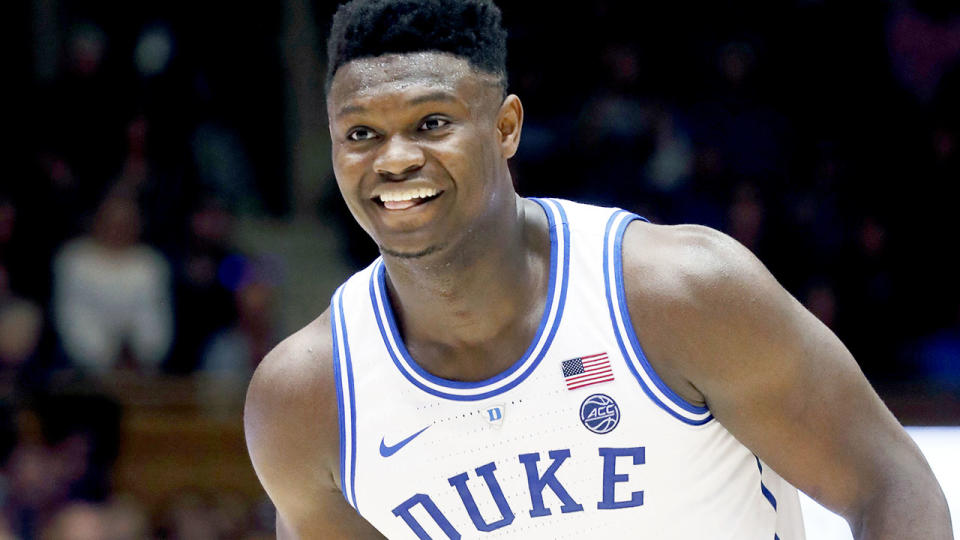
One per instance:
[(542, 456)]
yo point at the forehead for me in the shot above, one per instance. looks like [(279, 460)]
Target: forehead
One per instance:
[(364, 79)]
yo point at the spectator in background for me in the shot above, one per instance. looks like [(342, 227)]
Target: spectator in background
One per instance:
[(938, 357), (21, 319), (233, 352), (34, 488), (205, 301), (821, 300), (924, 42), (82, 133), (61, 452), (870, 292), (8, 217), (78, 521), (112, 303), (21, 251), (118, 520), (238, 349), (21, 325), (194, 515), (616, 132)]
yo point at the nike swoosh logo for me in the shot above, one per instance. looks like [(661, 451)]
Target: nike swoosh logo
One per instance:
[(387, 451)]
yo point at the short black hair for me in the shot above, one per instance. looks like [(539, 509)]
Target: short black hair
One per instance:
[(471, 29)]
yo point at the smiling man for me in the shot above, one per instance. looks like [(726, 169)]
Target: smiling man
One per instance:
[(537, 368)]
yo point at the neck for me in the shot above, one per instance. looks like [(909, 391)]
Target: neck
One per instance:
[(469, 311)]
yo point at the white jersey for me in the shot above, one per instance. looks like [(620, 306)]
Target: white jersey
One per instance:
[(578, 439)]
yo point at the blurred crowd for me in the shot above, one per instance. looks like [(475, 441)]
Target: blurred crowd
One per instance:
[(117, 256), (823, 135)]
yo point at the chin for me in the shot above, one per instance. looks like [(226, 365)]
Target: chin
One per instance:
[(409, 254)]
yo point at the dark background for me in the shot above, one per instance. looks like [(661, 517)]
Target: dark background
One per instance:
[(823, 135)]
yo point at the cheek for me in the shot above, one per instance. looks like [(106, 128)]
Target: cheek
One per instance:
[(469, 160), (349, 169), (348, 172), (345, 161), (350, 197)]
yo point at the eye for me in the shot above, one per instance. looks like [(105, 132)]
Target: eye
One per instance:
[(361, 134), (434, 122)]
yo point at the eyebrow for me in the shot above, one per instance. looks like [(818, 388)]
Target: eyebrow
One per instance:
[(419, 100), (432, 96)]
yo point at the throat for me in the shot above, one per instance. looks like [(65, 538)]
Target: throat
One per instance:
[(470, 322), (469, 354), (471, 331)]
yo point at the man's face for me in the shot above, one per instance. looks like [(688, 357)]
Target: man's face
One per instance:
[(416, 149)]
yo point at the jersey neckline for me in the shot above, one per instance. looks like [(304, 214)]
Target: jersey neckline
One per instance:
[(519, 370)]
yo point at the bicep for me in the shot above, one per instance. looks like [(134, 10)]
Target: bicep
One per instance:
[(798, 399), (787, 388)]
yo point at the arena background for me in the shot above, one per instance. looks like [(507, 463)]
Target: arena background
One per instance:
[(168, 212)]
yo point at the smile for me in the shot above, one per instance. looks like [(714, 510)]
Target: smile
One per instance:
[(403, 199)]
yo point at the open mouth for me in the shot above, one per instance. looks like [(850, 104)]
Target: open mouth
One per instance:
[(404, 200)]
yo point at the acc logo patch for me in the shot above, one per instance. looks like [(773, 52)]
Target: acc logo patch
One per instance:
[(600, 413)]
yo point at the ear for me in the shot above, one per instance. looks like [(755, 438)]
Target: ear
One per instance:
[(509, 125)]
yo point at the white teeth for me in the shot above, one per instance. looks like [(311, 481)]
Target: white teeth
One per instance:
[(407, 195)]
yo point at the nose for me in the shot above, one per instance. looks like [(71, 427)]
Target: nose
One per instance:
[(398, 156)]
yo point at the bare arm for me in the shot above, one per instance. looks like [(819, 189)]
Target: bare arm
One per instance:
[(721, 330), (292, 431)]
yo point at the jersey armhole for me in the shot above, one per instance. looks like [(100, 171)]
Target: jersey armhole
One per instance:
[(346, 401), (623, 328)]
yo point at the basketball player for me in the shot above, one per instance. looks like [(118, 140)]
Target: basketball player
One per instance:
[(536, 368)]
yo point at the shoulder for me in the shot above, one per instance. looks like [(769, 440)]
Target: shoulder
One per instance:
[(689, 267), (691, 290), (290, 416)]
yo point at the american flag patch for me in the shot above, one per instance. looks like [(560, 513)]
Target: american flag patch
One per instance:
[(586, 370)]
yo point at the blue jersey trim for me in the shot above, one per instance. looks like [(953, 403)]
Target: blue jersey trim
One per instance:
[(338, 377), (634, 341), (627, 335), (353, 411), (348, 428), (763, 488), (565, 228), (766, 493), (557, 285)]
